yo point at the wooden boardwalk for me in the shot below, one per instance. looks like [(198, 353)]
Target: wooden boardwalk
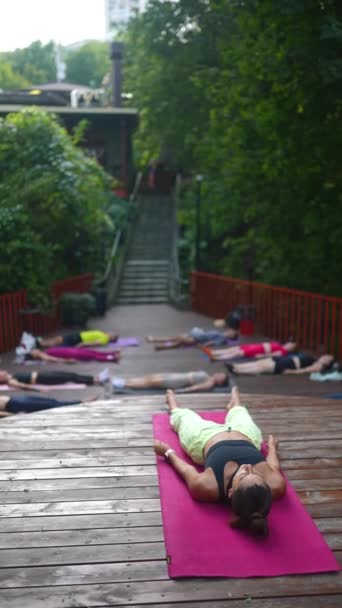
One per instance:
[(80, 522)]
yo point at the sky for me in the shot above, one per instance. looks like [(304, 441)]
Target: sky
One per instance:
[(65, 21)]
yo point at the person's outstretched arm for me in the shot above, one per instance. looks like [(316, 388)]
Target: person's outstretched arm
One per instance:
[(208, 385), (187, 471), (38, 354), (274, 479), (315, 367), (26, 387)]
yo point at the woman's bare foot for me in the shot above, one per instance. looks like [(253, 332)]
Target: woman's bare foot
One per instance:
[(171, 400), (150, 339), (234, 398), (91, 399)]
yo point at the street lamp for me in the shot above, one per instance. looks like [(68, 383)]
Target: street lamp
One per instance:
[(199, 180)]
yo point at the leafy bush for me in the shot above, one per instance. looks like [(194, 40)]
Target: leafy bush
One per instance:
[(76, 308), (54, 204)]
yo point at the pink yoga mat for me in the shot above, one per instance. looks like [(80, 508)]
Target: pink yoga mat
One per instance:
[(48, 387), (199, 541)]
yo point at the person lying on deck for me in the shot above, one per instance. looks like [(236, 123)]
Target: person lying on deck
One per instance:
[(235, 471), (185, 382), (91, 337), (29, 380), (32, 403), (297, 363), (66, 354), (196, 336), (251, 350)]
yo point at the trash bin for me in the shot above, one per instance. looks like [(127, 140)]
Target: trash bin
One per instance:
[(100, 295), (247, 314)]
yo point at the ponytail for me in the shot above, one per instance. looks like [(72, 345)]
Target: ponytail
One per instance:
[(251, 507)]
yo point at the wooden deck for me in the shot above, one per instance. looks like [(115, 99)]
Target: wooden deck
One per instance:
[(80, 522)]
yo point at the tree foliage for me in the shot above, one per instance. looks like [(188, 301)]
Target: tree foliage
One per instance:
[(9, 79), (34, 63), (54, 205), (89, 64), (249, 95)]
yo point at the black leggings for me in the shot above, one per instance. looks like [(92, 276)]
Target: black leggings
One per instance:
[(59, 377), (32, 403)]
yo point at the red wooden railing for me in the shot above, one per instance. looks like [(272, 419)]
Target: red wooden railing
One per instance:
[(313, 320), (15, 315)]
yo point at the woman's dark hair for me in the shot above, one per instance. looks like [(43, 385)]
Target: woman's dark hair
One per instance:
[(251, 505)]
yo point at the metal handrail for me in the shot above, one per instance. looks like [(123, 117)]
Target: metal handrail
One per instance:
[(175, 278), (120, 231)]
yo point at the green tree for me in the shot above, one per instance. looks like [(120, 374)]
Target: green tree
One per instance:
[(54, 205), (9, 79), (89, 64), (249, 95), (35, 63)]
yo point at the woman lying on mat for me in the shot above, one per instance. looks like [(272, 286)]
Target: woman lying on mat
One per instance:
[(66, 354), (32, 403), (251, 350), (91, 337), (185, 382), (29, 380), (196, 336), (235, 470), (298, 363)]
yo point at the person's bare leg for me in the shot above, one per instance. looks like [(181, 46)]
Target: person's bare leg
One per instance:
[(264, 366), (176, 343), (234, 398), (171, 401), (153, 339), (227, 353), (151, 381)]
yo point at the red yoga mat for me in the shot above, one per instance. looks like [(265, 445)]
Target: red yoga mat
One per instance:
[(199, 541)]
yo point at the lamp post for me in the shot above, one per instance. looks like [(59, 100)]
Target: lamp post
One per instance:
[(199, 180)]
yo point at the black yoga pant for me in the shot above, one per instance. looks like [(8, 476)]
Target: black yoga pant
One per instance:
[(32, 403), (72, 339), (59, 377)]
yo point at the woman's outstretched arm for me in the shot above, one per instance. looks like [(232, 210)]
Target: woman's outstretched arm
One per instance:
[(191, 476), (197, 388), (274, 479)]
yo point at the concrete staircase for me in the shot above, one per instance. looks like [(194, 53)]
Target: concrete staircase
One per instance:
[(145, 278)]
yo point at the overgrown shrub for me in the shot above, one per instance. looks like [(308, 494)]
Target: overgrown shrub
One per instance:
[(57, 211)]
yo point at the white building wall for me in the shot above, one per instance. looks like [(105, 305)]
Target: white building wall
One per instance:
[(119, 12)]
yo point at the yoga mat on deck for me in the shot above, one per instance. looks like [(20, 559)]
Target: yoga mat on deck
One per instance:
[(122, 342), (199, 541), (47, 387)]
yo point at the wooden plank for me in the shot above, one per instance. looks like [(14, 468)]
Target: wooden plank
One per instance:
[(161, 592), (82, 483), (77, 494), (49, 576), (80, 522), (84, 554), (50, 463), (79, 508), (63, 538), (76, 472)]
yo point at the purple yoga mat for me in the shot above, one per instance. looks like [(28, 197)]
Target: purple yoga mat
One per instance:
[(122, 342), (199, 541)]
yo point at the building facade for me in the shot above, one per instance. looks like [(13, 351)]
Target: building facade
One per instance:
[(118, 12)]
